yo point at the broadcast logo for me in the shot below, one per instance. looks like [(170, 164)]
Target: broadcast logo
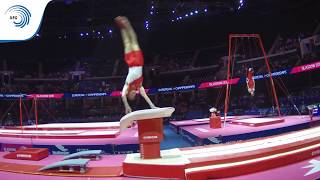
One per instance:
[(19, 15)]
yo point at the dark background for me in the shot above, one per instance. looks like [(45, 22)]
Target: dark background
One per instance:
[(63, 22)]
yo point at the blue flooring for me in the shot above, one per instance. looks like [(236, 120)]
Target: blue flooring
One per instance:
[(172, 139)]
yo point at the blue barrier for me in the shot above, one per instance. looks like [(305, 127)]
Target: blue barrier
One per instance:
[(70, 149)]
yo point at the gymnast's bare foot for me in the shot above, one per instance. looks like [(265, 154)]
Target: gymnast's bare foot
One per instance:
[(122, 21)]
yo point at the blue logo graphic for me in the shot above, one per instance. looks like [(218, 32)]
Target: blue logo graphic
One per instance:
[(20, 15)]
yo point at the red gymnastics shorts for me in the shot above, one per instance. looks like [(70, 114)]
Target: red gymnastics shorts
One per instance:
[(134, 58)]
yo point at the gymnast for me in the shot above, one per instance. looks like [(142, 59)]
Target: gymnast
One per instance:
[(134, 58), (250, 81)]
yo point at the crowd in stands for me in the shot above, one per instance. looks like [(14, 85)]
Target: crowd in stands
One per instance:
[(189, 105), (163, 70), (172, 62), (301, 99), (287, 44), (191, 61)]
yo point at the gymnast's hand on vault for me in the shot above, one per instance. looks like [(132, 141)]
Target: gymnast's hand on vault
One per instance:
[(128, 110), (153, 107)]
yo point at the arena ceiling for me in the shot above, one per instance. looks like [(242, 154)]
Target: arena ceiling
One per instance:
[(91, 13), (67, 20)]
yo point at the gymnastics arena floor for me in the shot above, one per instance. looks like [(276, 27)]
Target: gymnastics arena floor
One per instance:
[(120, 144), (296, 171), (202, 134)]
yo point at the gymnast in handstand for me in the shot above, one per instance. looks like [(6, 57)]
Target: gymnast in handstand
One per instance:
[(134, 58)]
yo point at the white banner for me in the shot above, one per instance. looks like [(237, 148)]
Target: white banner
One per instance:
[(20, 19)]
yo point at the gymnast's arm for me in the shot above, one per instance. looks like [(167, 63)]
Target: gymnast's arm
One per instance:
[(145, 96), (124, 99)]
